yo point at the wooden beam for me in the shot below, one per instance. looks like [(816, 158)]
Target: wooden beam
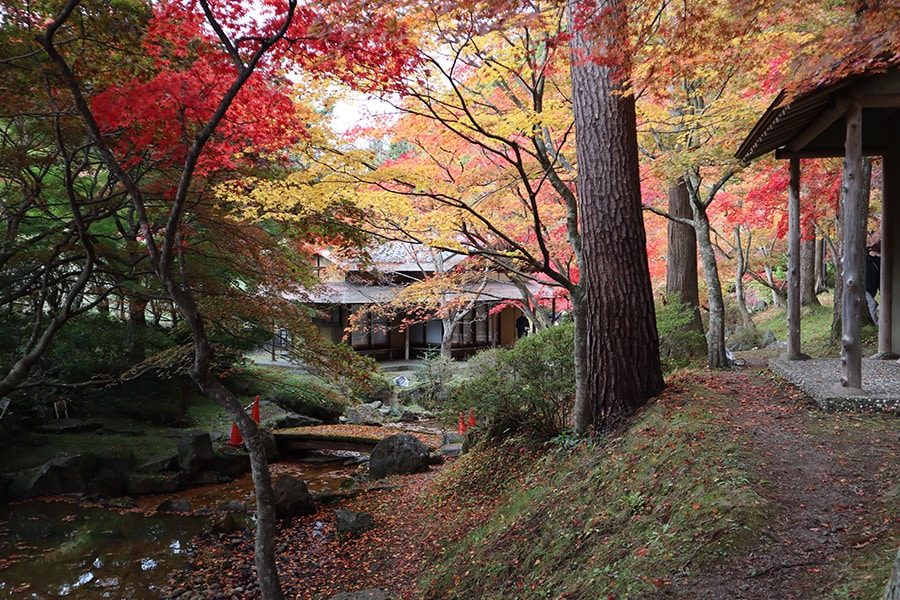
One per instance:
[(820, 124), (833, 152), (880, 101)]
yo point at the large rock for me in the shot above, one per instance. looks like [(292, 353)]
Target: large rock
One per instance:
[(292, 497), (142, 485), (195, 452), (294, 420), (231, 462), (352, 522), (60, 475), (364, 414), (401, 454), (175, 505)]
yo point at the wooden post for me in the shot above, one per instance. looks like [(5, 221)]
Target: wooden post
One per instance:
[(889, 198), (854, 256), (406, 344), (793, 313)]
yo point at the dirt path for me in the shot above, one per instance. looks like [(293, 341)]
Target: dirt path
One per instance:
[(833, 478)]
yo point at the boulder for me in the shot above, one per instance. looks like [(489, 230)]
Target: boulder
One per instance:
[(233, 506), (352, 522), (224, 523), (401, 454), (231, 462), (142, 485), (293, 420), (195, 452), (60, 475), (178, 505), (292, 497), (364, 414), (452, 450), (453, 438), (158, 465)]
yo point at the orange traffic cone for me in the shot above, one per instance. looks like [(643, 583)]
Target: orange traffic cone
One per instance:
[(461, 427), (236, 438), (255, 411), (472, 418)]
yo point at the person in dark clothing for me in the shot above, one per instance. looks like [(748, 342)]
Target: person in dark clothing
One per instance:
[(522, 326), (873, 278)]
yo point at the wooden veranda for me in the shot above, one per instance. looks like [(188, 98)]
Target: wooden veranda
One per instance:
[(851, 117)]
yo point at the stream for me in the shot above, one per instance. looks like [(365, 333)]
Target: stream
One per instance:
[(56, 548)]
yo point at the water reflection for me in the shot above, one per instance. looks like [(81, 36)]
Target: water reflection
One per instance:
[(63, 550), (84, 553)]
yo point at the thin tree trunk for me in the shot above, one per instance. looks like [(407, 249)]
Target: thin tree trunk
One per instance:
[(715, 333), (820, 271), (163, 254), (740, 271), (137, 329), (808, 281)]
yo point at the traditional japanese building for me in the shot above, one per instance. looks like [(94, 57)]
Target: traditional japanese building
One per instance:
[(853, 117)]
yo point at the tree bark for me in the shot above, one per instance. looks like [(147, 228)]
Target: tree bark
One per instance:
[(167, 252), (682, 276), (820, 272), (808, 280), (715, 332), (856, 204), (624, 368), (740, 271)]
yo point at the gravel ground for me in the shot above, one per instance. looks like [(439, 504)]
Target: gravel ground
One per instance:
[(821, 377)]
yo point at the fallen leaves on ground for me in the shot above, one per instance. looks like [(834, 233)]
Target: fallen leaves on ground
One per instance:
[(367, 433)]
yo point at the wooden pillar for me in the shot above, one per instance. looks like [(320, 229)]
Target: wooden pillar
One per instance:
[(854, 255), (793, 311), (890, 197), (406, 343)]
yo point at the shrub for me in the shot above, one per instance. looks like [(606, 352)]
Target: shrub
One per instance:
[(433, 377), (94, 344), (310, 399), (679, 341), (379, 389), (528, 389)]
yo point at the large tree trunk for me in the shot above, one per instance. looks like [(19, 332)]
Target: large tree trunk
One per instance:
[(682, 277), (624, 368)]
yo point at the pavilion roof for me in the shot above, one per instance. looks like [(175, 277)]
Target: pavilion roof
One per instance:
[(808, 121)]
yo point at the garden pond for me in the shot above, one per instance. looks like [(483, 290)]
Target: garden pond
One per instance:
[(60, 548)]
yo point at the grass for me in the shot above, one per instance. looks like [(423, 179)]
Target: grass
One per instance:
[(815, 329), (140, 420), (120, 436), (619, 519)]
